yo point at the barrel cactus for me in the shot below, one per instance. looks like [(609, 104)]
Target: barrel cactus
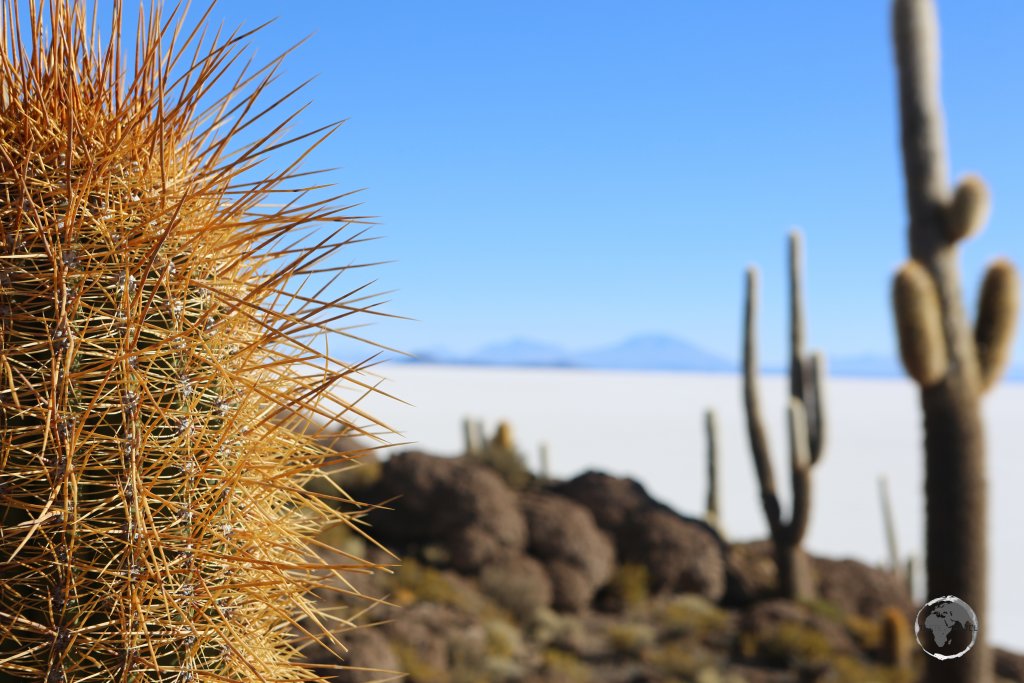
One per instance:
[(157, 336)]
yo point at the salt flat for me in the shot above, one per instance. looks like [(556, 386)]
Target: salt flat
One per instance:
[(649, 426)]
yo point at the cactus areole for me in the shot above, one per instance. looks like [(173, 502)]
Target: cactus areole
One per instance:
[(154, 524)]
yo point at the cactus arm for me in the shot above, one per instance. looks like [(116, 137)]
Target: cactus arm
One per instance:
[(814, 404), (800, 467), (755, 421), (797, 374), (999, 303)]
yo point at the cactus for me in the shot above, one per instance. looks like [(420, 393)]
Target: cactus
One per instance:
[(897, 639), (889, 522), (806, 431), (153, 325), (501, 455), (711, 515), (956, 490), (922, 343), (472, 434), (544, 472)]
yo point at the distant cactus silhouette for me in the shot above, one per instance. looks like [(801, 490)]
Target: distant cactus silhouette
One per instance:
[(806, 431), (153, 327), (952, 365), (711, 514)]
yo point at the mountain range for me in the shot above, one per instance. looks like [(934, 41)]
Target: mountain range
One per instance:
[(644, 352)]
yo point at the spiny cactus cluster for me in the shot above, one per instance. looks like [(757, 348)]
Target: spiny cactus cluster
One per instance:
[(953, 363), (153, 328), (806, 431)]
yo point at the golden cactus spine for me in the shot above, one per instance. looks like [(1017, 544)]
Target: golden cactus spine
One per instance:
[(955, 484), (152, 330)]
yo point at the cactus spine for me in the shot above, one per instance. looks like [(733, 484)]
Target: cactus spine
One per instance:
[(806, 430), (152, 325), (956, 489)]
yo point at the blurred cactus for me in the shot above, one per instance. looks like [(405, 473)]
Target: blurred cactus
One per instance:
[(898, 644), (922, 341), (473, 435), (889, 523), (997, 317), (501, 454), (968, 210), (957, 497), (711, 515), (806, 432), (152, 325), (545, 463)]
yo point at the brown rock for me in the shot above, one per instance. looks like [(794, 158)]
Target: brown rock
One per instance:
[(681, 556), (367, 652), (519, 584), (780, 632), (610, 499), (573, 590), (563, 534), (856, 587), (1009, 666), (751, 573), (462, 506)]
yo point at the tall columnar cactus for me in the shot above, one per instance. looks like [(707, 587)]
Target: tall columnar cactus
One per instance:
[(154, 328), (953, 364), (711, 515), (806, 431)]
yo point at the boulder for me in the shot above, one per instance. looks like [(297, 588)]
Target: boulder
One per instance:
[(460, 505), (856, 587), (368, 654), (519, 584), (780, 632), (751, 574), (563, 534), (610, 499), (681, 555)]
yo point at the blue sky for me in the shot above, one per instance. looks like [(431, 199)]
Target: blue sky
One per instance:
[(580, 172)]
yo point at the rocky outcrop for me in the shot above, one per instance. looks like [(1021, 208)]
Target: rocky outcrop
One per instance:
[(681, 555), (461, 506), (578, 556), (857, 588)]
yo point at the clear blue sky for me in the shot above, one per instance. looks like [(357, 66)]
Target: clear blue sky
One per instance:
[(579, 172)]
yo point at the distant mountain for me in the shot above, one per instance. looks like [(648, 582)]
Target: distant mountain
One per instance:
[(521, 352), (865, 365), (653, 352), (647, 352)]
